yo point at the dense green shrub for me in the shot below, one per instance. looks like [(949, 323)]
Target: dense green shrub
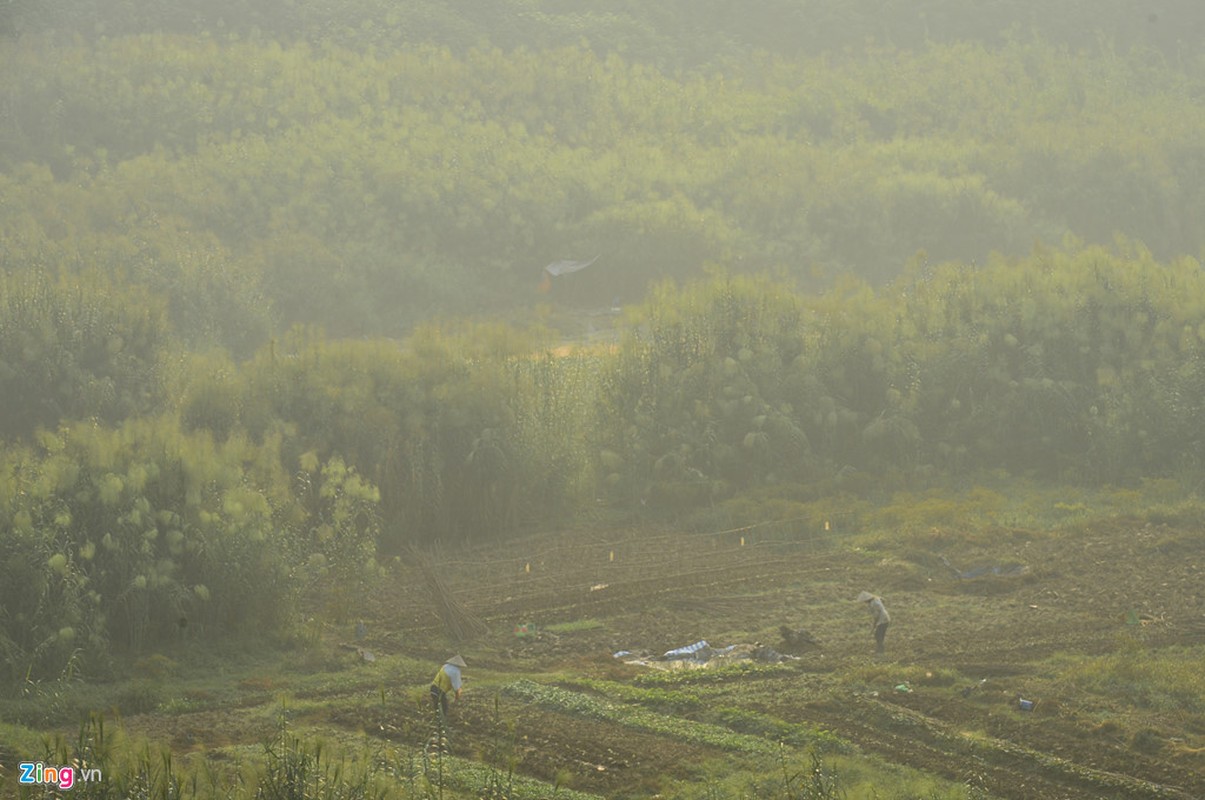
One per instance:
[(705, 394), (467, 433), (136, 535), (1080, 364), (184, 279), (74, 348)]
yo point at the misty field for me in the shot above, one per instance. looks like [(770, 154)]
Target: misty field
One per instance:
[(1100, 630), (338, 338)]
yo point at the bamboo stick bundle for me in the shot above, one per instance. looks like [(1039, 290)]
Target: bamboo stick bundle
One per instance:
[(459, 622)]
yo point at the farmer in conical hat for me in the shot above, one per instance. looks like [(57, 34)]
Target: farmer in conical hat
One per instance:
[(880, 619), (446, 681)]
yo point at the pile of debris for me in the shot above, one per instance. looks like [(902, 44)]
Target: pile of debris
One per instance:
[(702, 654), (795, 640)]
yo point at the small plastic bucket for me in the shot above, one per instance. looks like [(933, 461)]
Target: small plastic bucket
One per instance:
[(1025, 705)]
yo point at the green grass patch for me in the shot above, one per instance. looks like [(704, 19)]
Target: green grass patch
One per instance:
[(586, 706), (1018, 503), (705, 706), (661, 699), (813, 775), (1169, 680), (575, 626)]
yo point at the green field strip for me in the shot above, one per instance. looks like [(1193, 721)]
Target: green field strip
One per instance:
[(465, 775), (555, 698)]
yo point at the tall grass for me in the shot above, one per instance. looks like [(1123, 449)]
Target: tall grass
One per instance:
[(292, 768)]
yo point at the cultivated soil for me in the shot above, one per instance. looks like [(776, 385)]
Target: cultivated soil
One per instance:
[(968, 648)]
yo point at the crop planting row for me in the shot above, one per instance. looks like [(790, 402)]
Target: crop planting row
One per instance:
[(920, 726), (583, 705)]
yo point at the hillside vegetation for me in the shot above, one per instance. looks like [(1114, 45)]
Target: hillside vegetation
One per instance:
[(258, 180), (269, 304), (1081, 367)]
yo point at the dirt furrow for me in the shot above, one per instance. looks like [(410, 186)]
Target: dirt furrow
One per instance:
[(1003, 768)]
